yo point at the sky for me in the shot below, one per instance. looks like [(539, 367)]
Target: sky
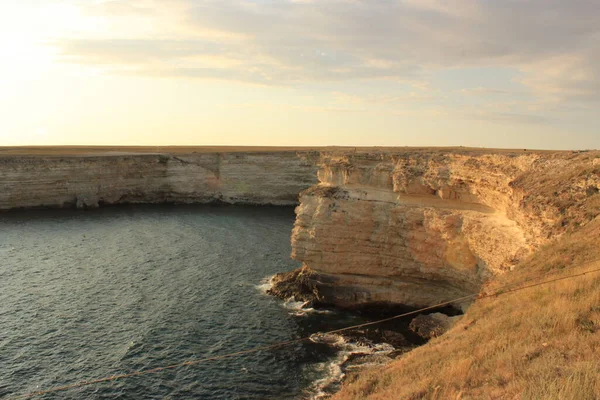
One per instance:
[(488, 73)]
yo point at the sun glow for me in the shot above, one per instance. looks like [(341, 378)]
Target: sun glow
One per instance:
[(27, 34), (23, 58), (257, 72)]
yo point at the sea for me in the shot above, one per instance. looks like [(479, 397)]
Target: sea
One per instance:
[(86, 295)]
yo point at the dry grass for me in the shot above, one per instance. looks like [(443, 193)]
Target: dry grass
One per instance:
[(564, 186), (537, 343)]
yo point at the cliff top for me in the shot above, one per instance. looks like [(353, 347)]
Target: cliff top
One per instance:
[(129, 150)]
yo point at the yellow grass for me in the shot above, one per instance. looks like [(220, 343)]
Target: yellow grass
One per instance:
[(537, 343)]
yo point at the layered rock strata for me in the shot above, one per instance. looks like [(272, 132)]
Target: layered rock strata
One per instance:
[(420, 228), (409, 227), (92, 180)]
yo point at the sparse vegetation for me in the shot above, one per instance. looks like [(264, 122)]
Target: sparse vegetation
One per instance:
[(537, 343)]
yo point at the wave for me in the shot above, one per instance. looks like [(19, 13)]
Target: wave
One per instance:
[(334, 370), (300, 309), (296, 308), (350, 352), (6, 248), (265, 284)]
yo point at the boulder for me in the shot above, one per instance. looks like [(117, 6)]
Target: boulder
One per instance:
[(297, 285), (432, 325)]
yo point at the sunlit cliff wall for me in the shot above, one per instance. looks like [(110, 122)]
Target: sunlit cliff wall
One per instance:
[(86, 181), (421, 227), (412, 227)]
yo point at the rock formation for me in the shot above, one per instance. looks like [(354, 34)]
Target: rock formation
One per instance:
[(410, 227), (433, 325), (87, 181), (422, 227)]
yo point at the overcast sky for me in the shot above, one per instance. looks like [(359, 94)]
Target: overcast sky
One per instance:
[(493, 73)]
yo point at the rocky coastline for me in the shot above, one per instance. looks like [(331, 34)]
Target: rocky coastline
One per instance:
[(421, 228), (377, 231), (385, 233), (374, 227)]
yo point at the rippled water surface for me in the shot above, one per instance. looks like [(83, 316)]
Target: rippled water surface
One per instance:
[(84, 295)]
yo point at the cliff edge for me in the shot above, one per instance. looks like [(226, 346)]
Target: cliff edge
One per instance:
[(88, 180), (418, 228)]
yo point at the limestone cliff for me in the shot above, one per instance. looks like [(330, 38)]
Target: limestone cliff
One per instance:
[(412, 227), (421, 227), (91, 180)]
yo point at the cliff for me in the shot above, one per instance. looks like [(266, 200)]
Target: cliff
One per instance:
[(421, 227), (90, 180), (397, 226), (411, 227)]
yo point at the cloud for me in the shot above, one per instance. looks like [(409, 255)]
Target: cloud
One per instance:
[(458, 8), (574, 76), (138, 51), (552, 42), (279, 107), (509, 117), (119, 8), (482, 91), (349, 99)]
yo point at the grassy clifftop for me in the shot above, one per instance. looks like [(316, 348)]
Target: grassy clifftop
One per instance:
[(537, 343)]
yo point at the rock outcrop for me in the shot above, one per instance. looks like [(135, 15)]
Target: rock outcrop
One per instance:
[(422, 227), (412, 227), (433, 325), (295, 284), (88, 181)]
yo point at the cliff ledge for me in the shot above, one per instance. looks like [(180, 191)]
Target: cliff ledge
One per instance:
[(418, 228)]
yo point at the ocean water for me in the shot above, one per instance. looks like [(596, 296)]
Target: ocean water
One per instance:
[(86, 295)]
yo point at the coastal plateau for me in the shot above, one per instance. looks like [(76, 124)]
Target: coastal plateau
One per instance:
[(410, 227), (418, 228), (404, 227)]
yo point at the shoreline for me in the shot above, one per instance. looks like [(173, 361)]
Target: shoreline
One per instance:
[(357, 349), (405, 226)]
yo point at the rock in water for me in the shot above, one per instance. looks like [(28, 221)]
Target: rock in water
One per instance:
[(297, 285)]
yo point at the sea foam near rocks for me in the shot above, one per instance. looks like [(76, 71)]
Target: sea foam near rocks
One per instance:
[(334, 371), (265, 284), (301, 309)]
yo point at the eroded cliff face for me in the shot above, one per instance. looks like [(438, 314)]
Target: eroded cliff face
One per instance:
[(420, 228), (414, 227), (88, 181)]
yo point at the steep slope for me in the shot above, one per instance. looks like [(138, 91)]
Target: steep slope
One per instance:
[(90, 180), (537, 343), (418, 228)]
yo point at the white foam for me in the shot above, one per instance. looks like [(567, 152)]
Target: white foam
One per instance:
[(292, 304), (265, 284), (299, 309), (333, 375), (296, 308), (332, 369)]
